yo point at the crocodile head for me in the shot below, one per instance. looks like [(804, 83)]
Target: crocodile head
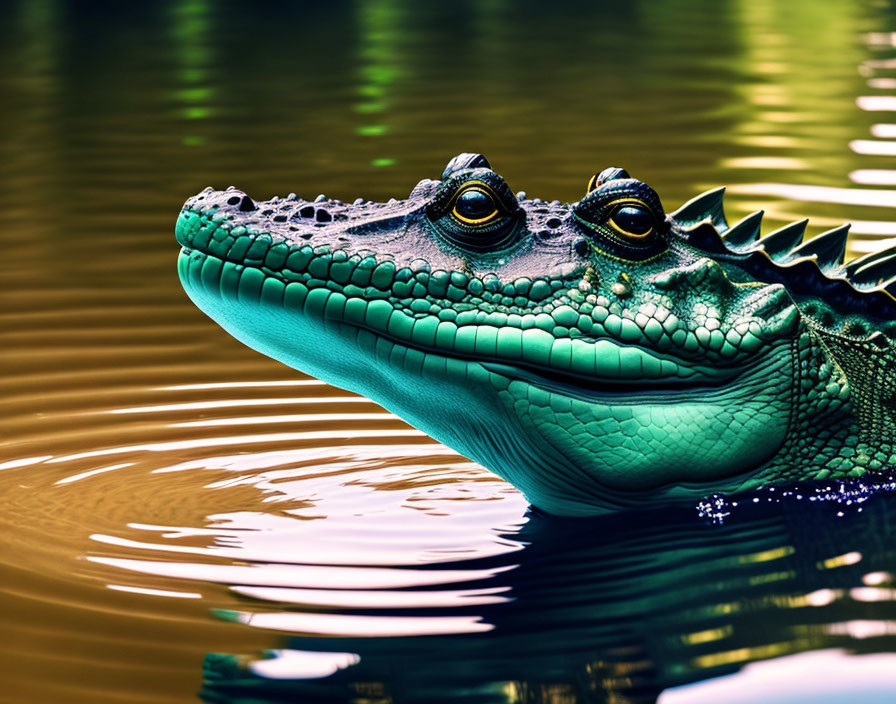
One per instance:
[(589, 353)]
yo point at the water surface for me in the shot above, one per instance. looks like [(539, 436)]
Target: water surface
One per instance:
[(184, 518)]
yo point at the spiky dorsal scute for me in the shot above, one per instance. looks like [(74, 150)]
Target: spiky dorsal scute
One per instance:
[(813, 269), (707, 207)]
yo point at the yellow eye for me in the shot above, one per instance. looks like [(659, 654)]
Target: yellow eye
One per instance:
[(632, 219), (592, 184), (474, 205)]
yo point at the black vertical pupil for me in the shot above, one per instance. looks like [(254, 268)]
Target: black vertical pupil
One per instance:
[(474, 204), (633, 219)]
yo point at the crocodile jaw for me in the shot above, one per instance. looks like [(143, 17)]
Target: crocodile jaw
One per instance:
[(568, 453)]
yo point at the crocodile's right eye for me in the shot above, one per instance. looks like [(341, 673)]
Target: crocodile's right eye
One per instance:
[(624, 217), (632, 220)]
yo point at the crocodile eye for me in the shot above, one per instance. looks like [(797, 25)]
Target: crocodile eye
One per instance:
[(624, 217), (476, 211), (474, 206), (632, 220)]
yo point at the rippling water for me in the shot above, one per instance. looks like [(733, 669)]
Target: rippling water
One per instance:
[(185, 518)]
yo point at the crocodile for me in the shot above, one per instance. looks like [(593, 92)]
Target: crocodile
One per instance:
[(597, 355)]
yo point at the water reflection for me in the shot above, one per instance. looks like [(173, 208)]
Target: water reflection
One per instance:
[(152, 469), (189, 27), (616, 609)]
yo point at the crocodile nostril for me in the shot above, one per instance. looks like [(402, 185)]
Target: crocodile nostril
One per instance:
[(323, 215), (233, 200), (307, 211), (246, 204), (554, 223)]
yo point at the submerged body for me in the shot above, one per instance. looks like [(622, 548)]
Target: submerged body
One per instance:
[(597, 355)]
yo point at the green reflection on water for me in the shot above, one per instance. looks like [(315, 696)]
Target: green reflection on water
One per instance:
[(371, 130), (790, 127), (379, 67), (658, 604), (190, 28), (107, 113)]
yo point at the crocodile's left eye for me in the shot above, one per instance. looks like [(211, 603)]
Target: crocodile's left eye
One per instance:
[(474, 205), (475, 210)]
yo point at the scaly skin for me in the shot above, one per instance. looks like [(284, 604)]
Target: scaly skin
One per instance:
[(596, 355)]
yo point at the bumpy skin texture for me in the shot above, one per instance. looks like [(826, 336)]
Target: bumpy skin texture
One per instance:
[(597, 355)]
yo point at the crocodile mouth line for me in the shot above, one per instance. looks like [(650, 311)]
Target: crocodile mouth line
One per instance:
[(595, 389), (550, 378)]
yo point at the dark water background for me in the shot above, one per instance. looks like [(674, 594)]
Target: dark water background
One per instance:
[(174, 506)]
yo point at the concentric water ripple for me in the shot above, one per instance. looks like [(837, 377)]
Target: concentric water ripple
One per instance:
[(181, 515), (138, 493), (281, 491)]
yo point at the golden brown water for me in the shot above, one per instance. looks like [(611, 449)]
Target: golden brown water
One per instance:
[(167, 493)]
